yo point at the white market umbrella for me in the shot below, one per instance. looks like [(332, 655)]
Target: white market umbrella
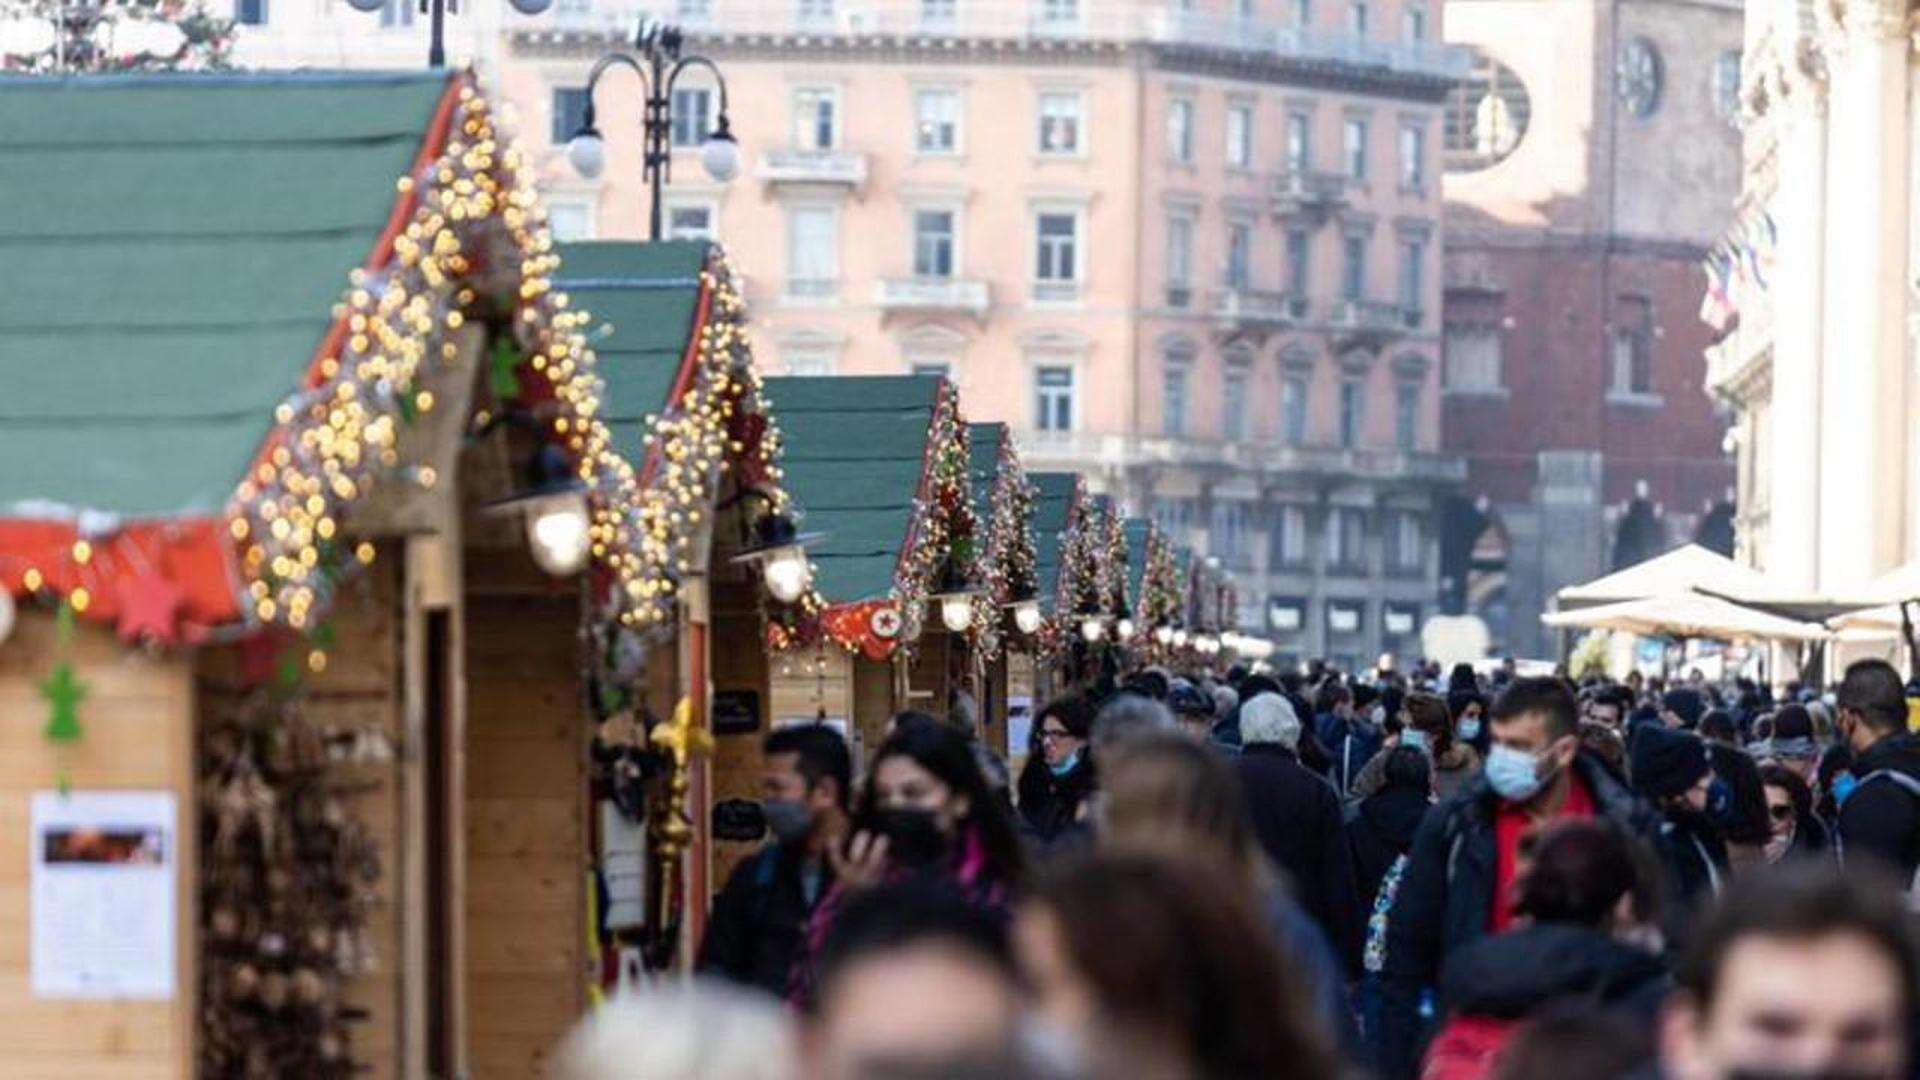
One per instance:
[(1685, 569), (1687, 615)]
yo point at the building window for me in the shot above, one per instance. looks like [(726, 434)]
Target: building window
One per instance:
[(1726, 85), (1405, 548), (393, 14), (1173, 395), (933, 243), (816, 13), (1302, 12), (1287, 544), (1299, 142), (1228, 534), (1413, 157), (1180, 130), (938, 12), (1057, 256), (1293, 410), (1413, 23), (1357, 18), (1239, 253), (691, 112), (1486, 116), (1406, 415), (1233, 407), (936, 121), (685, 11), (1060, 123), (1346, 539), (1296, 255), (808, 360), (1060, 11), (1413, 284), (569, 220), (690, 222), (939, 368), (1352, 403), (812, 251), (569, 113), (1173, 515), (254, 12), (1179, 261), (1356, 148), (813, 118), (1053, 398), (1240, 136), (1471, 358), (1353, 266), (1633, 348)]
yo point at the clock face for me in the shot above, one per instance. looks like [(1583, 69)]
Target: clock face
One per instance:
[(1637, 76)]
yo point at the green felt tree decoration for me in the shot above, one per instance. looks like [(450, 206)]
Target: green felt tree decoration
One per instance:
[(64, 692)]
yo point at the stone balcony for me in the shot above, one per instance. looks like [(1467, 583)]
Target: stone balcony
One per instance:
[(1370, 321), (931, 295), (1271, 462), (837, 168), (1243, 311), (1309, 192)]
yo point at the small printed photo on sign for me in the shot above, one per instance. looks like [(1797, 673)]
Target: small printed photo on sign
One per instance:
[(126, 846)]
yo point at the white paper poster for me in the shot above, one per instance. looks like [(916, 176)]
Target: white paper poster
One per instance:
[(1019, 724), (103, 866)]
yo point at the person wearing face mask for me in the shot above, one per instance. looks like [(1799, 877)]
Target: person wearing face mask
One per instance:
[(1058, 776), (1428, 729), (1672, 770), (759, 917), (1459, 881), (1795, 833), (1469, 710), (1880, 815), (926, 815)]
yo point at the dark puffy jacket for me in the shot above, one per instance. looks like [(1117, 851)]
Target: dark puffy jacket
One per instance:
[(1881, 819), (759, 919), (1445, 900), (1298, 821), (1050, 804), (1380, 830), (1744, 819), (1696, 863), (1349, 744)]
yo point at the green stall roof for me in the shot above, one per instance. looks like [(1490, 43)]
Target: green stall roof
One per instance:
[(983, 468), (855, 455), (178, 243), (1137, 531), (643, 297), (1053, 501)]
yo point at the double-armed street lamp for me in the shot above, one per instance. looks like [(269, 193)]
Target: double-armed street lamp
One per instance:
[(659, 46), (437, 12)]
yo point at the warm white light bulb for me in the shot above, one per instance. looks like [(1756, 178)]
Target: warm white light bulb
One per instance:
[(956, 612), (786, 572), (557, 532), (1026, 616), (1163, 634), (1091, 629), (1180, 638), (1124, 629)]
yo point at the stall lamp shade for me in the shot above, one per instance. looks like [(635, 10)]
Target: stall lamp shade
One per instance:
[(7, 612), (720, 154), (1026, 616), (786, 572), (1180, 638), (1207, 644), (557, 533), (587, 153), (1124, 629), (1163, 634), (1091, 629), (956, 611), (530, 7), (368, 6)]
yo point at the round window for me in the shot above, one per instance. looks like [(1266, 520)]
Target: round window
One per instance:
[(1487, 115)]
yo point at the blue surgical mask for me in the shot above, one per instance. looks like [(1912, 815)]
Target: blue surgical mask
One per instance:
[(1414, 737), (1513, 774), (1470, 729), (1066, 764), (1843, 786), (1719, 797)]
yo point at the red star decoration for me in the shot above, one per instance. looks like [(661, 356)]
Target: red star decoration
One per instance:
[(259, 655), (150, 610)]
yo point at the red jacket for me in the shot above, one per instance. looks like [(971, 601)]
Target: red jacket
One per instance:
[(1466, 1048)]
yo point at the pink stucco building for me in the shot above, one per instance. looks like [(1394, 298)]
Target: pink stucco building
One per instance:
[(1191, 252)]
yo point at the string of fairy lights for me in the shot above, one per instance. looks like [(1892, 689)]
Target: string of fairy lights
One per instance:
[(1008, 564), (941, 530), (476, 211)]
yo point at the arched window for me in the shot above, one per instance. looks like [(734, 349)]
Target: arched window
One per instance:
[(1487, 115)]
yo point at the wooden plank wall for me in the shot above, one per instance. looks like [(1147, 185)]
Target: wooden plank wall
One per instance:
[(359, 689), (738, 658), (137, 721), (525, 815)]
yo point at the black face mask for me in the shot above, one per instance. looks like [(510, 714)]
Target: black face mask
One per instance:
[(914, 839)]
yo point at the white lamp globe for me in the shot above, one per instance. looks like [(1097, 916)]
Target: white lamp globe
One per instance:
[(1124, 629), (786, 572), (1180, 638), (1163, 634), (1026, 616), (720, 156), (530, 7), (956, 612), (368, 6), (1091, 629), (557, 533), (587, 153)]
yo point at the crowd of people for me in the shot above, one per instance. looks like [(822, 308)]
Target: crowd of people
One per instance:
[(1403, 874)]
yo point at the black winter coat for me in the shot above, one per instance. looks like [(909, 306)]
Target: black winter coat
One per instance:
[(1297, 818), (1696, 864), (1516, 974), (1881, 819), (1051, 804), (760, 918), (1445, 900), (1380, 830), (1745, 818)]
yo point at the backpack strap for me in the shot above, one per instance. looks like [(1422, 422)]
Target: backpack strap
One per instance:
[(1905, 781)]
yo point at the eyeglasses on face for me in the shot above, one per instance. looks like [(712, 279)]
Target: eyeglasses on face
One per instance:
[(1052, 734), (1780, 811)]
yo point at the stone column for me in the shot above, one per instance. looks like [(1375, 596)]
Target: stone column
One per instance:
[(1570, 544)]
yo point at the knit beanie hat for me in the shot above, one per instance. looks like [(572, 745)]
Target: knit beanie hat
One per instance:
[(1666, 763), (1685, 703)]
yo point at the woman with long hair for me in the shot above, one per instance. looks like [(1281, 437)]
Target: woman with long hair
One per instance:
[(926, 814), (1157, 965), (1058, 776)]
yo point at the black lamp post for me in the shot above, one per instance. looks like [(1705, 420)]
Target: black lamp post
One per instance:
[(659, 45), (437, 11)]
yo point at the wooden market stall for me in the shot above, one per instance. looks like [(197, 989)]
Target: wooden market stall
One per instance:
[(1009, 611), (316, 529), (1055, 495), (1153, 581), (880, 464), (1090, 592)]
